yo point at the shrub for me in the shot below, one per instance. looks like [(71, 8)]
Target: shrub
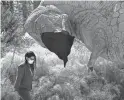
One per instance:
[(7, 91), (100, 95), (9, 66), (42, 69)]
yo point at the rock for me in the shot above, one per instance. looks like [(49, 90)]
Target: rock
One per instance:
[(116, 14), (114, 21), (83, 15), (121, 27), (121, 11), (121, 18)]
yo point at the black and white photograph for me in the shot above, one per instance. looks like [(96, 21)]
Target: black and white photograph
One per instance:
[(62, 50)]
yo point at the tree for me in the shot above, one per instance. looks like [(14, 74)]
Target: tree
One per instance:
[(24, 10), (13, 16)]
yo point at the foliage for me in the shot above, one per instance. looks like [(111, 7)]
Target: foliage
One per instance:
[(12, 22), (52, 81)]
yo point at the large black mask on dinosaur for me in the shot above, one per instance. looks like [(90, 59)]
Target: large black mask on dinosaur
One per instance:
[(58, 42)]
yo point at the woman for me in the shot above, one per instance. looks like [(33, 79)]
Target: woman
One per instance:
[(23, 84)]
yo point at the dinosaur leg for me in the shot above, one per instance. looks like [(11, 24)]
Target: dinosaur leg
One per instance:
[(92, 60), (98, 47), (93, 57)]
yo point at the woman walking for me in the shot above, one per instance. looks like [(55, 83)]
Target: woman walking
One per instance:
[(23, 84)]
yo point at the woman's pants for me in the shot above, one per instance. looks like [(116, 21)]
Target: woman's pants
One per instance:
[(24, 94)]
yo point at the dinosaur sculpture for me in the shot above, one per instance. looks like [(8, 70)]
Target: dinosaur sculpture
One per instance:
[(98, 24)]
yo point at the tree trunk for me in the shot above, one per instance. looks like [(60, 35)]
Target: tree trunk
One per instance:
[(11, 6), (24, 10)]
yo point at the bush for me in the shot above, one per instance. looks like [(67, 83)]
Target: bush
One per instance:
[(9, 66), (42, 69), (100, 95), (7, 91)]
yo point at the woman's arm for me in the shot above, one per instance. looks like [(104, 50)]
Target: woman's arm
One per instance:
[(19, 77)]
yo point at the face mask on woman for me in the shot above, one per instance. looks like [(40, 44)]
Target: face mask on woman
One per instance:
[(30, 61)]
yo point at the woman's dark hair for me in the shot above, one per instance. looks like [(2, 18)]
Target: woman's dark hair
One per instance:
[(30, 54)]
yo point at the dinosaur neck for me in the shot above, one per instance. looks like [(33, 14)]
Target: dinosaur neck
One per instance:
[(74, 30)]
